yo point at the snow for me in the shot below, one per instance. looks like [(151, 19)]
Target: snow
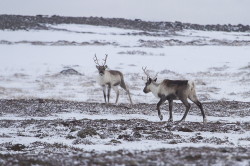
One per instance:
[(143, 146), (77, 115), (32, 71), (101, 144), (29, 71), (99, 147), (85, 33)]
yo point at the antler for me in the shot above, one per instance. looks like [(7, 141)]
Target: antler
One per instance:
[(96, 60), (105, 59), (148, 76), (144, 69), (155, 76)]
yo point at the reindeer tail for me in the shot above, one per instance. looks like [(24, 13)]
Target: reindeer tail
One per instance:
[(192, 95), (123, 85), (191, 85)]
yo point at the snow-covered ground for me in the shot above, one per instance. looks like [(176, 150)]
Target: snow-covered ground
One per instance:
[(30, 69), (121, 124), (31, 62)]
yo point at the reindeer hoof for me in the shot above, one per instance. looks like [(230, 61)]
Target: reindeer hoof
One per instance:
[(170, 120), (108, 104), (161, 117), (205, 121)]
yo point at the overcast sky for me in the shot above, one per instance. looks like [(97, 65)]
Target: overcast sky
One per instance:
[(193, 11)]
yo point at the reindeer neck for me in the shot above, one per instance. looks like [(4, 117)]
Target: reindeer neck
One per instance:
[(154, 87)]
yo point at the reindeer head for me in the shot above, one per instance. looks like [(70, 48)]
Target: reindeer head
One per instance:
[(149, 80), (103, 67)]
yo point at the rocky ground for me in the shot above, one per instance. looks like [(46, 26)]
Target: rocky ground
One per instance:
[(151, 30), (32, 120), (16, 22)]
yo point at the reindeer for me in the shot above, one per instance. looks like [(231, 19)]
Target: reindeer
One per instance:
[(110, 79), (173, 90)]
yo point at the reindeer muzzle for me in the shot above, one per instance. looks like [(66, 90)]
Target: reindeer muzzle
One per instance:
[(145, 90)]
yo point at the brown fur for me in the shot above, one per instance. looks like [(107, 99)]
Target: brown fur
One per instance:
[(175, 82), (174, 90), (112, 79), (115, 72)]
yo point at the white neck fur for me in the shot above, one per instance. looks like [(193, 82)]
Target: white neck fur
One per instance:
[(154, 88)]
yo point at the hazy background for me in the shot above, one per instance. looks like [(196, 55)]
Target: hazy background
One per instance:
[(193, 11)]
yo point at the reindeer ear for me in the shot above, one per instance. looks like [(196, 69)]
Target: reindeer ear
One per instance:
[(150, 80), (106, 66), (97, 67), (155, 79)]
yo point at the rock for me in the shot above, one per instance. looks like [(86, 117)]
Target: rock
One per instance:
[(173, 142), (70, 72), (199, 137), (193, 157), (114, 141), (86, 132), (137, 134), (184, 129), (125, 137), (70, 136), (17, 147)]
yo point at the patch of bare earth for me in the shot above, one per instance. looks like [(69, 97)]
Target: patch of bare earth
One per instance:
[(116, 132)]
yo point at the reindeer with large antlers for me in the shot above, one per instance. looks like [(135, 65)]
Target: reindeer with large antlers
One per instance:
[(111, 79), (173, 90)]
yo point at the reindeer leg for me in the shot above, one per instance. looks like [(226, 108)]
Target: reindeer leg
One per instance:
[(187, 105), (202, 111), (117, 93), (129, 97), (123, 85), (162, 100), (109, 88), (170, 105), (198, 103), (104, 92)]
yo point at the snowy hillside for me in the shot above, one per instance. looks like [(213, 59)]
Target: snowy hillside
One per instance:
[(31, 61)]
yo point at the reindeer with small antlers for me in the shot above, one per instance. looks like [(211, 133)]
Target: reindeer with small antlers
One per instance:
[(173, 90), (111, 79)]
